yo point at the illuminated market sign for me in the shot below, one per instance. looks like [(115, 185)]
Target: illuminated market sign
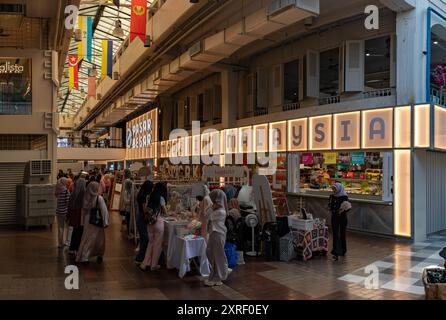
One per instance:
[(375, 129), (142, 136), (140, 131)]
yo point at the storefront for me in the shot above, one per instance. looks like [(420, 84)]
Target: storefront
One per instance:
[(382, 156)]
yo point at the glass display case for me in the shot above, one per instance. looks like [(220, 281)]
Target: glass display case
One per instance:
[(361, 173)]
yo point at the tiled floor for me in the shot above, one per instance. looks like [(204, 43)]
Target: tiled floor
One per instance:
[(31, 267), (401, 271)]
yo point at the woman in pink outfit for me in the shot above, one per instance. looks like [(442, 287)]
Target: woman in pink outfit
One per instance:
[(157, 202)]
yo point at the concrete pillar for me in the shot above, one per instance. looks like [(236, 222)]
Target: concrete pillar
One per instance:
[(411, 61), (419, 195), (229, 90)]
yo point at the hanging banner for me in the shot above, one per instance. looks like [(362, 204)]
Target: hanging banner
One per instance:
[(85, 46), (107, 59), (73, 73), (92, 84), (330, 157), (307, 158), (358, 158), (138, 20)]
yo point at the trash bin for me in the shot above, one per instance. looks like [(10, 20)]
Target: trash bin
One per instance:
[(434, 280)]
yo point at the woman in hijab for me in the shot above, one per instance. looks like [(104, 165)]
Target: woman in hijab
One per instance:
[(217, 236), (75, 215), (63, 196), (204, 205), (338, 220), (157, 202), (141, 199), (93, 238)]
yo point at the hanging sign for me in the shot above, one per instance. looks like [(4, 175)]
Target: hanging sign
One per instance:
[(307, 158), (358, 158), (330, 157)]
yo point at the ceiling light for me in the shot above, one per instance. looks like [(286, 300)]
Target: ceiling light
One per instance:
[(367, 54), (435, 42), (118, 32)]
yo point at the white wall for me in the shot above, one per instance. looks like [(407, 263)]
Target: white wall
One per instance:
[(43, 100)]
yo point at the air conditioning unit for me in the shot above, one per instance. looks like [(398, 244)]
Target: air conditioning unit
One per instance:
[(38, 172), (36, 204), (196, 49)]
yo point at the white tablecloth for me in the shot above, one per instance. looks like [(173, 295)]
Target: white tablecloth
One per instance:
[(186, 249), (178, 251)]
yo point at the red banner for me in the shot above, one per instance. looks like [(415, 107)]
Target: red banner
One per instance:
[(138, 20)]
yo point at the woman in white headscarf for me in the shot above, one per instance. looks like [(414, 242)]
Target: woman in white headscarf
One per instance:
[(216, 216), (339, 206), (204, 205), (93, 238), (63, 196)]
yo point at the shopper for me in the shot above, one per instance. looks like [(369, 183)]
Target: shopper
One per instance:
[(122, 204), (127, 203), (339, 206), (141, 199), (157, 202), (93, 238), (63, 196), (75, 213), (204, 205), (217, 236), (234, 209)]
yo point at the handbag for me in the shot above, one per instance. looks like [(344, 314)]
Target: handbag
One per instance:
[(96, 216), (150, 216)]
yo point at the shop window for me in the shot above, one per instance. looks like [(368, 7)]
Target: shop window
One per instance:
[(377, 63), (187, 111), (200, 107), (438, 64), (361, 173), (15, 86), (291, 82), (329, 73), (217, 104)]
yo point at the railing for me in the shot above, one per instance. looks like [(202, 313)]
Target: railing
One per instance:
[(67, 142), (438, 97), (377, 93), (329, 100), (291, 106)]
